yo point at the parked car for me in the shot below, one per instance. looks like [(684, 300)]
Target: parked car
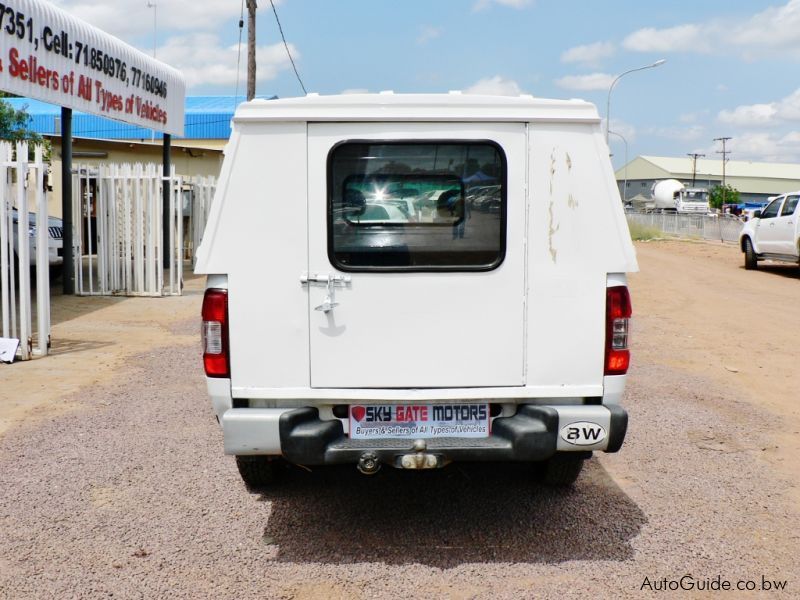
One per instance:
[(773, 233), (381, 213), (55, 233)]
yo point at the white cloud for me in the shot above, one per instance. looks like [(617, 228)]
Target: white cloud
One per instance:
[(495, 86), (766, 146), (622, 128), (771, 32), (765, 114), (483, 4), (428, 33), (188, 35), (681, 134), (594, 81), (754, 114), (204, 61), (590, 54), (129, 18), (683, 38), (775, 27)]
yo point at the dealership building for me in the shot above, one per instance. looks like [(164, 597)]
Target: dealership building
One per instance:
[(755, 181)]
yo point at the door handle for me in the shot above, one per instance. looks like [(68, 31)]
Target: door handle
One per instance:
[(327, 279), (330, 281)]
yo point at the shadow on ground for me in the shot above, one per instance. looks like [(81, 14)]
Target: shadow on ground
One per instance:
[(784, 270), (63, 346), (461, 514)]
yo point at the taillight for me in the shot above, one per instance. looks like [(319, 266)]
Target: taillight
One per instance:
[(618, 314), (216, 358)]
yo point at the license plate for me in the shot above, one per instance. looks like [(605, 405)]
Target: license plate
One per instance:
[(415, 421)]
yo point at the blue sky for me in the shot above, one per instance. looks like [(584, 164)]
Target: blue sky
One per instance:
[(731, 70)]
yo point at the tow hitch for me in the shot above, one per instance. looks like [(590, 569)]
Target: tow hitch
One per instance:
[(420, 459)]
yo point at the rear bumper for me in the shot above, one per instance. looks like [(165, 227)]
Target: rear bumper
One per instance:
[(534, 433)]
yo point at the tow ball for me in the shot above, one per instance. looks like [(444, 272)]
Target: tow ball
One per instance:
[(419, 459)]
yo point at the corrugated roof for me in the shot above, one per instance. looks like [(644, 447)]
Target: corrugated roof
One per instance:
[(207, 117), (682, 166)]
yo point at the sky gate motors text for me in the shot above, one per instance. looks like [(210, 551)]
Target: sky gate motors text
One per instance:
[(420, 413)]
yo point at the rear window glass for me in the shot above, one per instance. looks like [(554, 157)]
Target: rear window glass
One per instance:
[(416, 206)]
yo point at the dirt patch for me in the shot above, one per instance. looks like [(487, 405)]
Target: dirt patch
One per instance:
[(92, 339), (698, 310)]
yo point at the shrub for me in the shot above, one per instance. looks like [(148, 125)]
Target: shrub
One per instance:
[(642, 233)]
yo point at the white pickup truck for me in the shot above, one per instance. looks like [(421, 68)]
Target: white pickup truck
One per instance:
[(773, 233), (366, 303)]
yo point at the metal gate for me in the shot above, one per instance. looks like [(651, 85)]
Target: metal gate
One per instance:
[(117, 224), (198, 195), (24, 240)]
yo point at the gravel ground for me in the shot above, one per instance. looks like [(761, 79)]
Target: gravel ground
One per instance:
[(132, 498)]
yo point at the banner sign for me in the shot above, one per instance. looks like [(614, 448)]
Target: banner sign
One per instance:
[(49, 55)]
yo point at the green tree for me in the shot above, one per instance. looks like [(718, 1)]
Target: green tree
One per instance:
[(14, 125), (720, 195)]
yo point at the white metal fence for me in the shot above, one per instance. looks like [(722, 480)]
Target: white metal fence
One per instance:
[(725, 228), (24, 241), (197, 194), (118, 238), (118, 228)]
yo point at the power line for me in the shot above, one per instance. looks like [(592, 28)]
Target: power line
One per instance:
[(724, 153), (285, 45), (694, 156), (239, 54)]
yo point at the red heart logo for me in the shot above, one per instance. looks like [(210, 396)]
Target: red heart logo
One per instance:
[(358, 412)]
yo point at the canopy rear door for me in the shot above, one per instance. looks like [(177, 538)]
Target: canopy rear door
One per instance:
[(416, 272)]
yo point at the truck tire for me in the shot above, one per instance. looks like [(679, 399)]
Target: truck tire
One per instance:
[(562, 469), (750, 260), (256, 471)]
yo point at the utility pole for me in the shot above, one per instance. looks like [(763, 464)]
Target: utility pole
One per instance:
[(724, 153), (251, 49), (695, 156)]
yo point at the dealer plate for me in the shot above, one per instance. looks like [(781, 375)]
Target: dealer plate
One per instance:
[(415, 421)]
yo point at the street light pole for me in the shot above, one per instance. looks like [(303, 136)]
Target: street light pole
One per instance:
[(625, 185), (658, 63), (155, 21)]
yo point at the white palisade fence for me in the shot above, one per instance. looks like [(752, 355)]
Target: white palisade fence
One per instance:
[(118, 226), (24, 241), (118, 237), (198, 195)]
